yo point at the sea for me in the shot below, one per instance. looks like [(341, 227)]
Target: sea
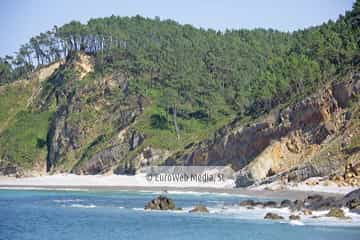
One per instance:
[(79, 214)]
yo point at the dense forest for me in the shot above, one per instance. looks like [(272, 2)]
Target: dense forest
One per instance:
[(245, 71)]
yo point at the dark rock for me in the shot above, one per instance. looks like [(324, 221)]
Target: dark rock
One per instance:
[(136, 140), (348, 115), (352, 201), (270, 173), (297, 205), (342, 93), (199, 208), (161, 203), (246, 203), (273, 216), (301, 173), (318, 202), (102, 161), (8, 169), (294, 217), (270, 204), (244, 179), (286, 204)]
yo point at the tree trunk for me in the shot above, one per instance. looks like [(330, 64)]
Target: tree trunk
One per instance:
[(175, 123)]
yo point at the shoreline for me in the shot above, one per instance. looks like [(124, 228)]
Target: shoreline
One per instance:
[(279, 194), (139, 183)]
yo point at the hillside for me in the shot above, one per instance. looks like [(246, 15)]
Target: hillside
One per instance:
[(119, 93)]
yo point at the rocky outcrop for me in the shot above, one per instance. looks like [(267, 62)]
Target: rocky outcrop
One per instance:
[(76, 134), (273, 216), (289, 143), (103, 161), (11, 170), (352, 201), (294, 217), (337, 213), (161, 203), (284, 143), (199, 209), (317, 202)]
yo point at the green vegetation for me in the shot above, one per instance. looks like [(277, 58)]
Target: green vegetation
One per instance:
[(24, 142), (195, 80), (13, 98)]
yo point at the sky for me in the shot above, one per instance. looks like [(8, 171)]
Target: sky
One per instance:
[(22, 19)]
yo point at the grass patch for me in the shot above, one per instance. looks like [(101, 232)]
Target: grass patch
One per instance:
[(24, 141), (13, 98)]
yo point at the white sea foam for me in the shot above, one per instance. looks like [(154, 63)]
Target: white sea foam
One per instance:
[(67, 200), (138, 209), (82, 206), (318, 218), (296, 223)]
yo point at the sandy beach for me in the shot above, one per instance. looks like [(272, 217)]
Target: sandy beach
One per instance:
[(139, 183)]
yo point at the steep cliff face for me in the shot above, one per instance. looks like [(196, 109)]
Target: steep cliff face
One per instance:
[(88, 129), (293, 140), (90, 112)]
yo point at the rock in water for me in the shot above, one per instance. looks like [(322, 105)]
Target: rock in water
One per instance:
[(247, 203), (352, 201), (273, 216), (286, 204), (161, 203), (294, 217), (318, 202), (336, 212), (199, 208), (270, 204)]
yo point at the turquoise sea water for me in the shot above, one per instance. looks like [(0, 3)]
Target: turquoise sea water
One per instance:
[(118, 215)]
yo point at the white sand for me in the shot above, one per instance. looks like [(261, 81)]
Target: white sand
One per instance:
[(78, 182), (72, 180)]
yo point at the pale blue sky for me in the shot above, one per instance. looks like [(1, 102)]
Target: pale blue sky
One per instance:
[(22, 19)]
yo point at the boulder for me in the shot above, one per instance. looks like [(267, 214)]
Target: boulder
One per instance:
[(200, 209), (247, 203), (273, 216), (352, 201), (244, 179), (318, 202), (297, 205), (294, 217), (270, 204), (301, 173), (161, 203), (337, 213), (286, 204)]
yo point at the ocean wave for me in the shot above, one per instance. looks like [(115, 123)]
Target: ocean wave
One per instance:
[(318, 218), (82, 206), (296, 223), (67, 200), (138, 209)]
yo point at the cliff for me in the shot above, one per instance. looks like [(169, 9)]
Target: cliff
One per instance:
[(317, 136)]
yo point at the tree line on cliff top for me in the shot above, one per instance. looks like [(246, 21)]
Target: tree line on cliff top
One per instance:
[(244, 71)]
